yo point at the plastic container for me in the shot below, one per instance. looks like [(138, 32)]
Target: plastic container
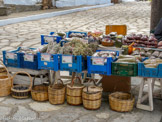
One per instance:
[(102, 67), (149, 72), (68, 33), (12, 58), (46, 38), (124, 69), (72, 63), (48, 61), (29, 61)]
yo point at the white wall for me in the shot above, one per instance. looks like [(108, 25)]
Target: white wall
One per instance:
[(65, 3), (21, 2)]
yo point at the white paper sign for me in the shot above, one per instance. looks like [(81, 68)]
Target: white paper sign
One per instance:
[(48, 38), (10, 55), (98, 61), (45, 57), (66, 59), (29, 57)]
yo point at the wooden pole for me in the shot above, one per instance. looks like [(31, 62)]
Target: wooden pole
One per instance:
[(156, 12)]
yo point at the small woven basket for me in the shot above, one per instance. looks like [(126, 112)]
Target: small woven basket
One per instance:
[(74, 92), (121, 102), (56, 93), (39, 92), (5, 83), (92, 96), (21, 91)]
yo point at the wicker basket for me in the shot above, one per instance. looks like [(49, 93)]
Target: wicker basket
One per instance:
[(121, 102), (39, 92), (107, 43), (92, 97), (74, 92), (56, 93), (5, 83), (21, 91)]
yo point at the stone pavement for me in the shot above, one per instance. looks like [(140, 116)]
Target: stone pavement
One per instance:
[(136, 15)]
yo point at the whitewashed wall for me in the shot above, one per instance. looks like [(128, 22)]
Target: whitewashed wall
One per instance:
[(21, 2), (59, 3), (65, 3)]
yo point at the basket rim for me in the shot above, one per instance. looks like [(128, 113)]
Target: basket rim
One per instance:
[(112, 97), (33, 90), (14, 90)]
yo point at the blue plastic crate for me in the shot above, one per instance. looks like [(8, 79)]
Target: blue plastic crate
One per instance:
[(44, 38), (72, 63), (68, 33), (149, 72), (102, 68), (48, 61), (12, 58), (29, 61)]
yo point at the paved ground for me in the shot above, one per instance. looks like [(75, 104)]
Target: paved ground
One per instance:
[(135, 15)]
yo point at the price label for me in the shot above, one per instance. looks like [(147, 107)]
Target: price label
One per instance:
[(48, 38), (85, 41), (10, 55), (66, 59), (98, 61), (29, 57), (45, 57)]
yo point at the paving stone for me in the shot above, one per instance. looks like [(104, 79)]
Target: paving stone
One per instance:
[(46, 106), (24, 114), (102, 115), (12, 101), (4, 111)]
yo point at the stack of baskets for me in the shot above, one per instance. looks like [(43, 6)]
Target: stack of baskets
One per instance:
[(56, 93), (92, 97), (21, 91), (39, 92), (74, 92), (5, 82), (121, 102)]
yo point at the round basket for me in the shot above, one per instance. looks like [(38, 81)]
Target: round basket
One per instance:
[(21, 91), (56, 93), (5, 83), (74, 92), (121, 102), (92, 97), (39, 92)]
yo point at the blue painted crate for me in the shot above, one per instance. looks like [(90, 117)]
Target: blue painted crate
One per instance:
[(50, 37), (149, 72), (72, 63), (48, 61), (12, 58), (68, 33), (103, 68)]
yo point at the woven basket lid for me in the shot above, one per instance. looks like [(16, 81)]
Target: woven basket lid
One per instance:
[(92, 89)]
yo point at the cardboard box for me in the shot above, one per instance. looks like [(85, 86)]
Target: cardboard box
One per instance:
[(116, 83)]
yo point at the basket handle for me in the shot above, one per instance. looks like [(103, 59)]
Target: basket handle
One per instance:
[(91, 80), (72, 82), (57, 82), (1, 62), (27, 75)]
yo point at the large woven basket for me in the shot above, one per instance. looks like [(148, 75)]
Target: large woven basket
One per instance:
[(21, 91), (39, 92), (92, 97), (74, 92), (56, 93), (5, 83), (121, 102)]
